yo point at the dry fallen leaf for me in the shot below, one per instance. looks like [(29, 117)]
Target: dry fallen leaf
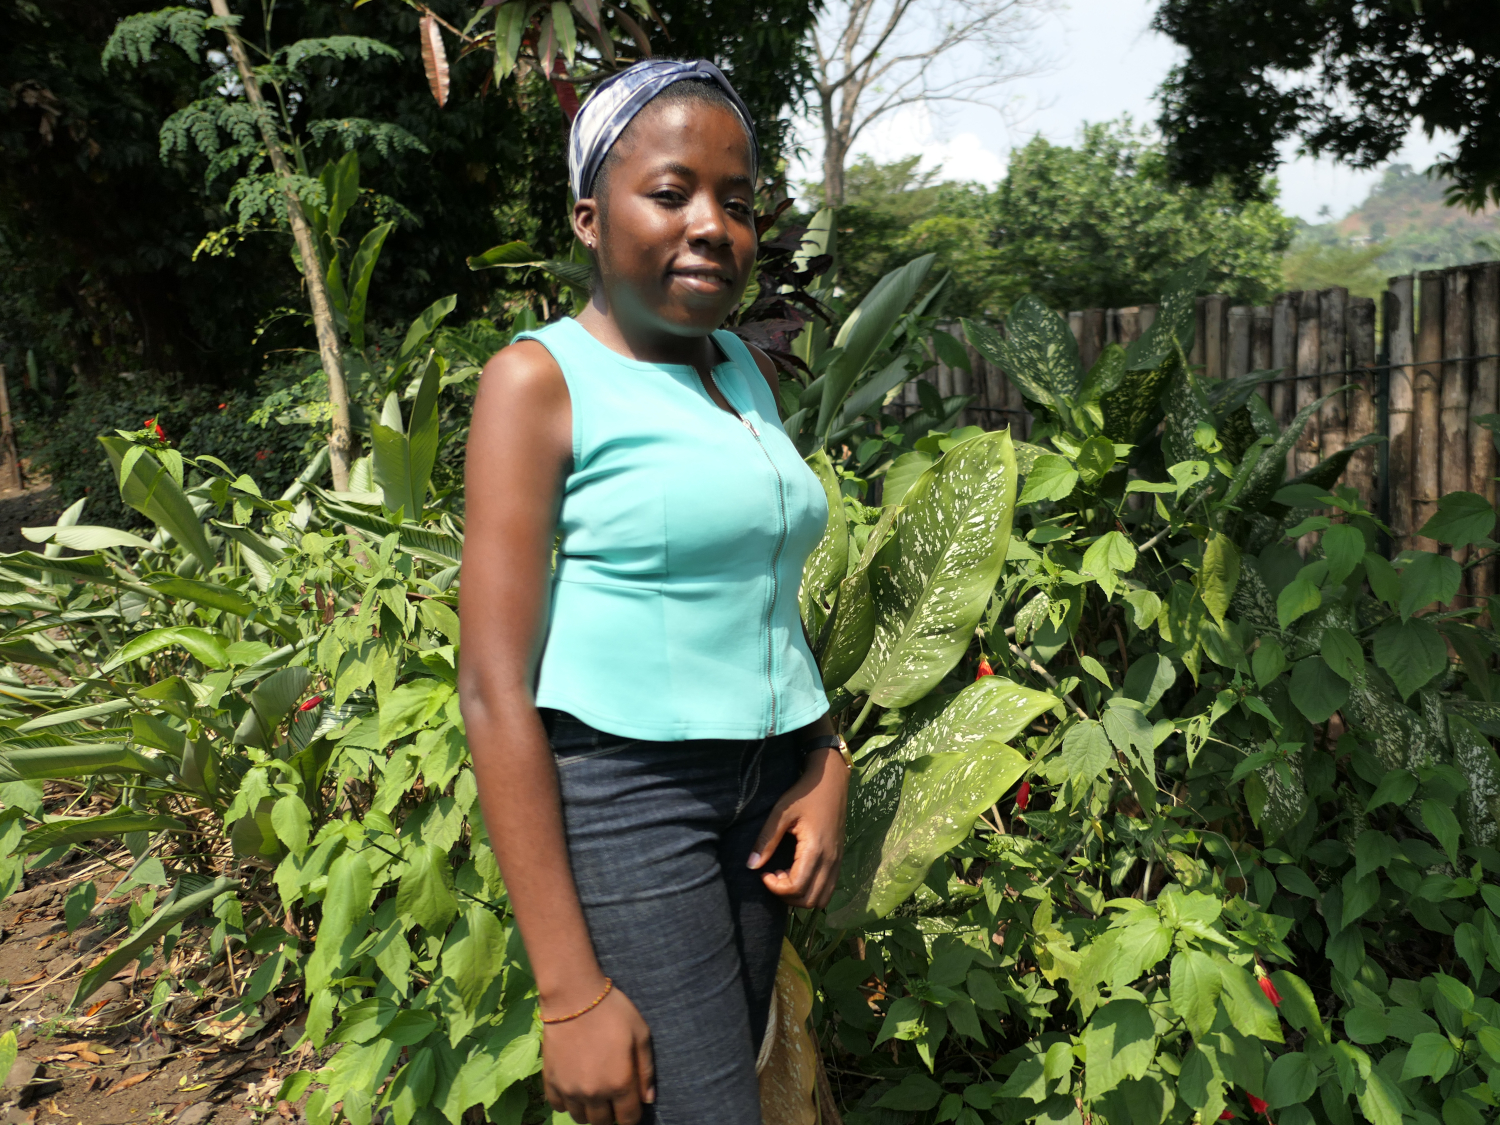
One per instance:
[(27, 980), (93, 1010), (126, 1083), (435, 59)]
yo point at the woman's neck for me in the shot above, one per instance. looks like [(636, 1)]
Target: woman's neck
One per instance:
[(648, 344)]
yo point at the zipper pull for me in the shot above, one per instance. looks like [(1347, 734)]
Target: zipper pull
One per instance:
[(749, 426)]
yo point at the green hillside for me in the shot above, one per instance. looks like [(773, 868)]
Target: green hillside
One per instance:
[(1401, 227)]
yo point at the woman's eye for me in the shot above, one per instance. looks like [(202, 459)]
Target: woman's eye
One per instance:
[(667, 195)]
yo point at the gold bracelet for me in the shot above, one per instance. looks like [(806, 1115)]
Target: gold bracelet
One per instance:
[(609, 984)]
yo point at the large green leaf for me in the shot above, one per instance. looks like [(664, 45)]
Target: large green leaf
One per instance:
[(207, 647), (85, 537), (852, 629), (828, 564), (208, 594), (360, 272), (151, 490), (862, 333), (189, 896), (941, 796), (44, 763), (75, 715), (992, 709), (402, 459), (1120, 1042), (934, 576), (76, 829)]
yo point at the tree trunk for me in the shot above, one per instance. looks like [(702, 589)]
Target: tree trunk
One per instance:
[(833, 155), (341, 439)]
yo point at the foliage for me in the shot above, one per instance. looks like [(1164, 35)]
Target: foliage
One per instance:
[(1088, 226), (1221, 828), (1099, 225), (1348, 79)]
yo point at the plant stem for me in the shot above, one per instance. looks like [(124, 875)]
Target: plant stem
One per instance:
[(863, 715), (341, 439)]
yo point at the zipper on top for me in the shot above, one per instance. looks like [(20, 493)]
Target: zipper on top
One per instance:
[(775, 554)]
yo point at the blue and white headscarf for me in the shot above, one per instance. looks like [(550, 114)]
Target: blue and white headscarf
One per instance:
[(615, 102)]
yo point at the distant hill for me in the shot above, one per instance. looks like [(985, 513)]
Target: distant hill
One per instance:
[(1401, 227)]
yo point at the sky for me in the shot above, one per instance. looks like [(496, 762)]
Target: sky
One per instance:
[(1095, 60)]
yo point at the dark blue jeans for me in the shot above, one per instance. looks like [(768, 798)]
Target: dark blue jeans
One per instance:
[(658, 837)]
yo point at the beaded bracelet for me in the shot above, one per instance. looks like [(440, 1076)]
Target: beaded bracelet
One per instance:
[(608, 985)]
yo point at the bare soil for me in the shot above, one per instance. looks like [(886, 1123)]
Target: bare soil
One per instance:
[(109, 1062), (34, 506)]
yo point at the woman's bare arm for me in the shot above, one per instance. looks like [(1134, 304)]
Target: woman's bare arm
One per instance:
[(520, 448)]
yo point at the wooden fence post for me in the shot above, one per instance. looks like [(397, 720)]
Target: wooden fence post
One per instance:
[(1400, 350), (1284, 356), (1237, 361), (1260, 345), (1427, 411), (1309, 355), (1215, 330), (1485, 399), (1363, 419), (1129, 321), (1091, 340), (1453, 464), (1333, 421), (1200, 333)]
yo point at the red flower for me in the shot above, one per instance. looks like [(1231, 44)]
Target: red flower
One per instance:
[(223, 406), (1270, 990), (1023, 796), (984, 669), (311, 703), (1227, 1115), (1256, 1104), (262, 454), (151, 425)]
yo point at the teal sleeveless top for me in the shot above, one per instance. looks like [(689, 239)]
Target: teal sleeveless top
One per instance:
[(683, 533)]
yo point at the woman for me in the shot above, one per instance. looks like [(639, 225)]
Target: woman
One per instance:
[(649, 731)]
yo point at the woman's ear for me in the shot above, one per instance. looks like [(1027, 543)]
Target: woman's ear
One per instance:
[(586, 222)]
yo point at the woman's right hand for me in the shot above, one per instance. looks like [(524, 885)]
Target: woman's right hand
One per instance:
[(598, 1067)]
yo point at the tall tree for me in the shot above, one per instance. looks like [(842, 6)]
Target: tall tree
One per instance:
[(1347, 78), (873, 57)]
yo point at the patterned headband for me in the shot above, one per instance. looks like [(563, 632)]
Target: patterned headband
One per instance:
[(615, 102)]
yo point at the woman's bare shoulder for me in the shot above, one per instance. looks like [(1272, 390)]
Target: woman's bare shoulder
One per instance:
[(524, 371)]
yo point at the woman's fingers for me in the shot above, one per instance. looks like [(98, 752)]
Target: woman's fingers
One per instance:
[(645, 1070), (770, 836)]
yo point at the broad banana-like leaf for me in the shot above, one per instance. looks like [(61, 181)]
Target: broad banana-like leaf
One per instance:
[(206, 647), (85, 537), (402, 461), (310, 475), (259, 556), (829, 561), (74, 715), (75, 829), (935, 574), (424, 542), (151, 490), (862, 333), (45, 763), (852, 629), (872, 393), (207, 593), (191, 894), (941, 797), (276, 695), (360, 272), (425, 325), (91, 568)]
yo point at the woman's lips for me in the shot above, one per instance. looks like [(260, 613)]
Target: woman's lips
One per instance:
[(702, 281)]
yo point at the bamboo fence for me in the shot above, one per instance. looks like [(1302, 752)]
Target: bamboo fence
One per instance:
[(1423, 380)]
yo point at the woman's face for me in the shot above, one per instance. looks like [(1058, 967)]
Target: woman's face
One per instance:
[(675, 239)]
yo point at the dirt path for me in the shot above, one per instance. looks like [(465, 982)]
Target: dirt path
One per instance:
[(109, 1063), (35, 506)]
